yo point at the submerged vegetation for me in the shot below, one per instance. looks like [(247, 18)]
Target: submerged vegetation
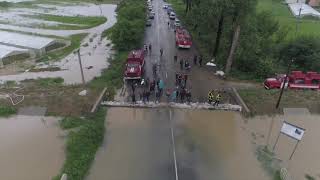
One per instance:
[(6, 111)]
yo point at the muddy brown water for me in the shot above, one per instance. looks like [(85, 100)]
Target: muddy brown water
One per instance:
[(209, 145), (31, 148), (305, 159)]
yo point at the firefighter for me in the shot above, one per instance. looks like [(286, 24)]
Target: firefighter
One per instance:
[(210, 96), (217, 101)]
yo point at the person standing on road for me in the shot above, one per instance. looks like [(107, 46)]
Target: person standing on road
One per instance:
[(177, 76), (175, 58), (182, 94), (147, 95), (150, 47), (168, 94), (161, 51), (217, 101), (185, 79), (181, 64), (200, 60), (161, 86), (179, 79), (174, 96), (133, 98), (168, 24), (195, 58), (188, 96)]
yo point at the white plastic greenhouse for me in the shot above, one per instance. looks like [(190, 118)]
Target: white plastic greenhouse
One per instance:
[(36, 43), (8, 53)]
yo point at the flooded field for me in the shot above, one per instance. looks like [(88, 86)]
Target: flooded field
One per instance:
[(209, 145), (31, 148), (304, 160), (94, 54)]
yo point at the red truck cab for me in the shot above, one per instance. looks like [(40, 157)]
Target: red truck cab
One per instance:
[(296, 80), (183, 38), (135, 65)]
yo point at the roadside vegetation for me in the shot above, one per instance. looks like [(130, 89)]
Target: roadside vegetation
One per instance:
[(248, 40), (261, 101), (6, 111), (76, 22), (59, 54), (82, 144)]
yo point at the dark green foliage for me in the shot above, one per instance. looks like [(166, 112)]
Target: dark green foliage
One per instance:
[(82, 146), (71, 122), (129, 29), (45, 82), (305, 50), (6, 111), (308, 177)]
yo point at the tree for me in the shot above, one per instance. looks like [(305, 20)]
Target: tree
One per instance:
[(241, 8)]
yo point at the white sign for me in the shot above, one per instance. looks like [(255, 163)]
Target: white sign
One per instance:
[(292, 131)]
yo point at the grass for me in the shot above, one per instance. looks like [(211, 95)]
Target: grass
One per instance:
[(82, 146), (71, 122), (46, 82), (59, 54), (6, 111), (261, 101), (78, 22), (306, 26)]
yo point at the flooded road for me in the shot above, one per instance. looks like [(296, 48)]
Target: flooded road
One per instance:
[(209, 145), (31, 148)]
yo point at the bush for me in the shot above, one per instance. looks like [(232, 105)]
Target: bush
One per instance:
[(82, 146), (6, 111), (71, 122)]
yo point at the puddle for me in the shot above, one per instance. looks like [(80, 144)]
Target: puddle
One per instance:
[(31, 148), (304, 160), (94, 56)]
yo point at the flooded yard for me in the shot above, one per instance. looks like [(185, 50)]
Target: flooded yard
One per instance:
[(94, 50), (32, 147)]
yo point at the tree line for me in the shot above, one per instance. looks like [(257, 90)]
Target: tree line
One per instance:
[(244, 41)]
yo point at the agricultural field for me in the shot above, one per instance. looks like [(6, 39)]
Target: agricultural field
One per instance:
[(304, 26)]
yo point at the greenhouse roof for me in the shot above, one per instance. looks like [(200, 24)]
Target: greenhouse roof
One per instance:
[(7, 50), (22, 40)]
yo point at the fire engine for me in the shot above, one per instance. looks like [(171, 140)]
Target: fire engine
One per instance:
[(295, 80), (183, 38), (135, 65)]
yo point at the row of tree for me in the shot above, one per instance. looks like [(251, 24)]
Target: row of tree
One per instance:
[(243, 40)]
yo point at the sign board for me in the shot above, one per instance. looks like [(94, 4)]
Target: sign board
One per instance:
[(292, 131)]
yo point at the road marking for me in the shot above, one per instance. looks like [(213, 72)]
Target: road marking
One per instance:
[(174, 146)]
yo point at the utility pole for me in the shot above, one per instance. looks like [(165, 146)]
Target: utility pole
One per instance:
[(284, 83), (81, 69)]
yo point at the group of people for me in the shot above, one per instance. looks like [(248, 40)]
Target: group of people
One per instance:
[(214, 97), (184, 64), (155, 87)]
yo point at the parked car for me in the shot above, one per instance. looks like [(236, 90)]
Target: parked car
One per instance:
[(148, 23), (165, 6), (151, 15), (177, 23), (169, 10), (172, 16)]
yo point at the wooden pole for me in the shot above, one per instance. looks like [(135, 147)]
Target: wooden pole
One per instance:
[(81, 69), (274, 146), (270, 130), (294, 150)]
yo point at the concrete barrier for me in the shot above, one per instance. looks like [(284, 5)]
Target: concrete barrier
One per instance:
[(64, 177), (239, 100), (97, 103), (139, 104)]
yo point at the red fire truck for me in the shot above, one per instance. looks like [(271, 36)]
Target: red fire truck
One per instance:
[(183, 38), (135, 65), (296, 80)]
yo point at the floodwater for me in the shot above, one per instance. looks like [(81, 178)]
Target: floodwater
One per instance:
[(208, 145), (31, 148), (305, 159), (94, 56)]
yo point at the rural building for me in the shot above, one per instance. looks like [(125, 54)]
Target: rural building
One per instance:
[(9, 54), (295, 1), (303, 10), (40, 45), (314, 3)]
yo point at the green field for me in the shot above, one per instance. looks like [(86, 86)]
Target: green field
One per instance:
[(306, 26)]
